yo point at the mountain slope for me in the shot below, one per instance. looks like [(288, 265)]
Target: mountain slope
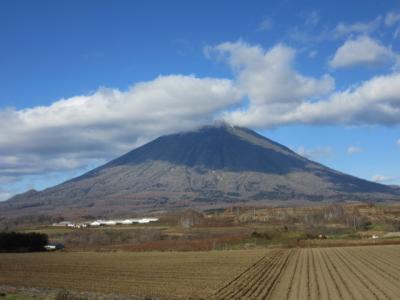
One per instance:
[(214, 166)]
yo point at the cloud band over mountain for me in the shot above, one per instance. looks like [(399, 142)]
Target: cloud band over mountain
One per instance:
[(266, 90)]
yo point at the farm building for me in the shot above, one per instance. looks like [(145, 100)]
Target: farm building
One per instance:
[(122, 222), (62, 224), (105, 223)]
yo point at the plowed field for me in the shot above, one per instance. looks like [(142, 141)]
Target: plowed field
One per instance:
[(371, 272), (320, 273)]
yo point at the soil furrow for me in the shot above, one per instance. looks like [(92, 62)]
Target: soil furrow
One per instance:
[(262, 281), (243, 279), (346, 291), (275, 279), (248, 280), (331, 274), (370, 285), (384, 271), (324, 288), (356, 273), (231, 282), (384, 287)]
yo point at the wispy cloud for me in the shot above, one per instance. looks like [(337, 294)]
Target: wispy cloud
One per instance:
[(312, 18), (396, 34), (309, 33), (392, 18), (5, 195), (312, 53), (381, 178), (266, 24), (354, 150), (315, 153), (345, 29), (313, 31)]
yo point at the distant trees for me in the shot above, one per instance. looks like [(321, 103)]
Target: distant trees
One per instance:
[(17, 241), (104, 237), (28, 220), (191, 218)]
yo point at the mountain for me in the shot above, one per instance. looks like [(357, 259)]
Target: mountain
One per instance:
[(214, 166)]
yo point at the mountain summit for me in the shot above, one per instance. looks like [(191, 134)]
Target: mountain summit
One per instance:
[(214, 166)]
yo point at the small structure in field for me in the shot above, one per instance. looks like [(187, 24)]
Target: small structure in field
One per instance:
[(125, 222), (105, 223), (54, 247), (70, 224), (147, 220), (110, 222), (62, 224)]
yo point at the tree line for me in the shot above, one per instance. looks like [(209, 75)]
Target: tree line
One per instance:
[(22, 242)]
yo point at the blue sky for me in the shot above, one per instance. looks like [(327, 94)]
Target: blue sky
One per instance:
[(82, 82)]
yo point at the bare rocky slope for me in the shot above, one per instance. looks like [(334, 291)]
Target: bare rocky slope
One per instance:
[(214, 166)]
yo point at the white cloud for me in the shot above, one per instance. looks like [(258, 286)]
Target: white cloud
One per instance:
[(392, 18), (362, 50), (278, 95), (398, 142), (381, 178), (376, 101), (315, 153), (86, 130), (265, 25), (270, 82), (353, 150)]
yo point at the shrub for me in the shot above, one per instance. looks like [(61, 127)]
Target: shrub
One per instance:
[(66, 295), (261, 235)]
